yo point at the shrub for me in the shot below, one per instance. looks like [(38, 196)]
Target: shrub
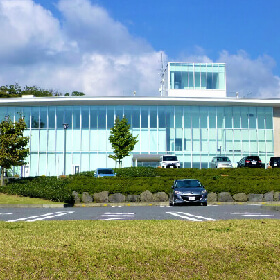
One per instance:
[(140, 171), (137, 180)]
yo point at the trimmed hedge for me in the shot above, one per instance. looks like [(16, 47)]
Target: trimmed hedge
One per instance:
[(135, 180), (49, 188)]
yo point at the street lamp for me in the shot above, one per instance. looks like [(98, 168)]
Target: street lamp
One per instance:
[(65, 126)]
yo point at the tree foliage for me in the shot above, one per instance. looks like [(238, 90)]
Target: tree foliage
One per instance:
[(121, 139), (13, 144), (16, 91)]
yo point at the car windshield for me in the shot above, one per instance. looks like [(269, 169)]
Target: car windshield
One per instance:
[(188, 184), (223, 159), (105, 171), (169, 158)]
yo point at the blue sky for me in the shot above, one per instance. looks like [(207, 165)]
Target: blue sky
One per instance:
[(113, 47), (178, 26)]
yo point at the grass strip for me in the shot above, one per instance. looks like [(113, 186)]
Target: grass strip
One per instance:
[(16, 199), (235, 249)]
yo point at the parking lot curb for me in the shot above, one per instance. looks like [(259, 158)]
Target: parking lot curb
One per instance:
[(111, 204), (58, 205)]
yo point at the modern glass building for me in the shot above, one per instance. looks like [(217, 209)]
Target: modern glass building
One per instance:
[(193, 128)]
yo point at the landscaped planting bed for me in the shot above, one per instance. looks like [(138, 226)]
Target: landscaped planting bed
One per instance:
[(137, 180)]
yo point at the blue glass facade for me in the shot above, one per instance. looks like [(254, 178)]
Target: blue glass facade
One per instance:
[(194, 133)]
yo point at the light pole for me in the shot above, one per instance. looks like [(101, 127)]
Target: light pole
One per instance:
[(65, 126)]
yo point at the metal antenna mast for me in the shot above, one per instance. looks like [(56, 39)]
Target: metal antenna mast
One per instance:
[(162, 70)]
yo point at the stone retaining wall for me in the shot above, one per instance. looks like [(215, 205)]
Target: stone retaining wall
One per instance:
[(147, 196)]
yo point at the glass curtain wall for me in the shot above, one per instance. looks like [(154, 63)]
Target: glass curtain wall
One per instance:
[(197, 76), (194, 133)]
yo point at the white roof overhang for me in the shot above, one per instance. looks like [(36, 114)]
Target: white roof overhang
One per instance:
[(136, 101)]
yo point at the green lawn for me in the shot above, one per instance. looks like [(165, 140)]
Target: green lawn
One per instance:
[(15, 199), (239, 249)]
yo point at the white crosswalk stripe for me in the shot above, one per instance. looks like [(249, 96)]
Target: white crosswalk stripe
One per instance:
[(248, 214), (116, 216), (42, 217), (190, 217)]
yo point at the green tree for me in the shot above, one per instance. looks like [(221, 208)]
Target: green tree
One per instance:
[(121, 139), (13, 144), (16, 91), (77, 93), (10, 91), (36, 91)]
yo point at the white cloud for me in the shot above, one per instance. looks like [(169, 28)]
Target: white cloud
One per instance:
[(121, 75), (251, 77), (94, 30), (28, 32), (87, 50)]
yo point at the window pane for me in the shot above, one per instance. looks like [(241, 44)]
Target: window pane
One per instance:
[(144, 118), (93, 117), (110, 117), (59, 117), (178, 117), (102, 118), (236, 117), (128, 114), (212, 117), (85, 117), (187, 117), (136, 118), (119, 111), (268, 120), (195, 117), (244, 117), (203, 117), (43, 117), (35, 122), (228, 117), (153, 118), (51, 112), (220, 117), (68, 116), (76, 117)]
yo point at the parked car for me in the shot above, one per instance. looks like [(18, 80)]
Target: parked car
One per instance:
[(169, 161), (188, 191), (220, 162), (274, 162), (104, 172), (250, 161)]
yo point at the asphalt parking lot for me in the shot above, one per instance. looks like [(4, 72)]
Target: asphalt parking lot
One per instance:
[(164, 212)]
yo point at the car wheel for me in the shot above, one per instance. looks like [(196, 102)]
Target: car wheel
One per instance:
[(172, 202), (204, 203)]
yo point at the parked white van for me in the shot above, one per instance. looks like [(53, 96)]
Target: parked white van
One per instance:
[(169, 161)]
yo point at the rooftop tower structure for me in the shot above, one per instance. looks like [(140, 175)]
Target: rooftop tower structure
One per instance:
[(194, 80)]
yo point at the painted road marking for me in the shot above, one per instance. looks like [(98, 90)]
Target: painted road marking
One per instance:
[(42, 217), (116, 216), (249, 214), (253, 215), (190, 217)]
